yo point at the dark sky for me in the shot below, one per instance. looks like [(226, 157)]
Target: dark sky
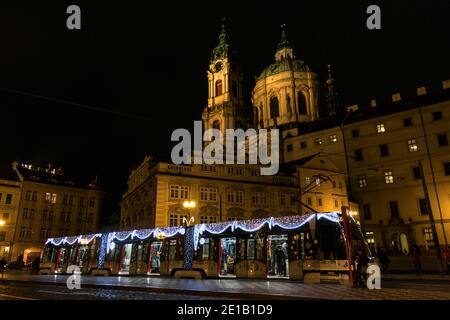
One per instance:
[(149, 62)]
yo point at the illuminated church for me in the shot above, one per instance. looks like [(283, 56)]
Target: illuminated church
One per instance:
[(326, 154)]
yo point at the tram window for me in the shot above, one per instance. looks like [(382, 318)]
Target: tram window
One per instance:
[(251, 249), (172, 249), (205, 250), (260, 249), (242, 249)]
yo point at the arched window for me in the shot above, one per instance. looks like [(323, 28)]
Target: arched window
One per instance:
[(218, 88), (274, 108), (301, 100), (216, 124)]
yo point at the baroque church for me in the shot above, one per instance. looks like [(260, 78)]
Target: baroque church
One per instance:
[(286, 93)]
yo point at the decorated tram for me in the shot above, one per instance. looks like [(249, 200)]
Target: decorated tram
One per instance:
[(289, 247)]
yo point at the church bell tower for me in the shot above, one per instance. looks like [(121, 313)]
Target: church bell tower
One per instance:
[(225, 101)]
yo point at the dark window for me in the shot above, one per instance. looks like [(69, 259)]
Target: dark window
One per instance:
[(289, 147), (303, 145), (407, 122), (2, 236), (416, 173), (437, 115), (447, 168), (355, 133), (384, 151), (234, 88), (423, 207), (8, 199), (394, 209), (218, 88), (358, 155), (367, 212), (301, 104), (442, 140), (274, 109)]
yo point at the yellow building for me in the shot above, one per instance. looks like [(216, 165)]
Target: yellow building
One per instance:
[(10, 192), (50, 204)]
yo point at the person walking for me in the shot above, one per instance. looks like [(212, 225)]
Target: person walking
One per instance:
[(361, 262), (384, 259), (3, 264), (415, 257), (35, 266)]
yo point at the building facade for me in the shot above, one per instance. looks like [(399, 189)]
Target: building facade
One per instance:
[(44, 203), (10, 194)]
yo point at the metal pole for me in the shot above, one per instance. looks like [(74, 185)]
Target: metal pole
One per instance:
[(432, 223), (348, 242)]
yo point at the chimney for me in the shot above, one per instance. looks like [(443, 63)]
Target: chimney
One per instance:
[(421, 91), (373, 103), (446, 84), (396, 97)]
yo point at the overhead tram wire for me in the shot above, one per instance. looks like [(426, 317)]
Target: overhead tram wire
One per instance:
[(76, 104)]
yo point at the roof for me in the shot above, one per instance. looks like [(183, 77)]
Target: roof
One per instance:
[(40, 176), (7, 173), (282, 66), (384, 109)]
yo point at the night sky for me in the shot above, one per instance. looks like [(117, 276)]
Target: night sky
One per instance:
[(145, 66)]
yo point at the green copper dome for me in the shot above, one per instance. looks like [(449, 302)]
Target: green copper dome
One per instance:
[(282, 66)]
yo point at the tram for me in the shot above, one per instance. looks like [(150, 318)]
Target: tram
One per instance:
[(287, 247)]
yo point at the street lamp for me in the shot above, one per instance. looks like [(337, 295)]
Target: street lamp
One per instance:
[(2, 223), (189, 205)]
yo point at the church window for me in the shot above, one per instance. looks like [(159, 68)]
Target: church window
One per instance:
[(301, 104), (218, 88), (274, 108)]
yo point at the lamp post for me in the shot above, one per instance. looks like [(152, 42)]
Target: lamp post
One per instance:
[(189, 205), (2, 223)]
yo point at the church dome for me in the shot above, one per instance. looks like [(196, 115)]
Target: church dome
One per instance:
[(282, 66)]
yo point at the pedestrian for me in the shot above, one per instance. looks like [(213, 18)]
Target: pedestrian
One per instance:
[(384, 259), (361, 262), (415, 257), (281, 262), (35, 266), (3, 264)]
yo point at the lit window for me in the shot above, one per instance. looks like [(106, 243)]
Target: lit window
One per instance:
[(318, 141), (381, 128), (428, 236), (333, 138), (362, 181), (308, 180), (179, 192), (53, 200), (48, 196), (412, 145), (388, 177), (370, 237)]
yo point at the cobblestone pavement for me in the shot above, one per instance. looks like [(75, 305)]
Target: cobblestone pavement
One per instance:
[(250, 288), (34, 291)]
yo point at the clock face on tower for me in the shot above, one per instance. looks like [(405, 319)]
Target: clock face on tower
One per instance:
[(218, 66)]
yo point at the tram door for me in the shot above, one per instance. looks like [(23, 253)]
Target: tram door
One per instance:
[(155, 256), (227, 257), (81, 254), (277, 256), (126, 257), (61, 259)]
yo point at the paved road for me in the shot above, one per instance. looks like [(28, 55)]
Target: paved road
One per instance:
[(169, 288), (33, 291)]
